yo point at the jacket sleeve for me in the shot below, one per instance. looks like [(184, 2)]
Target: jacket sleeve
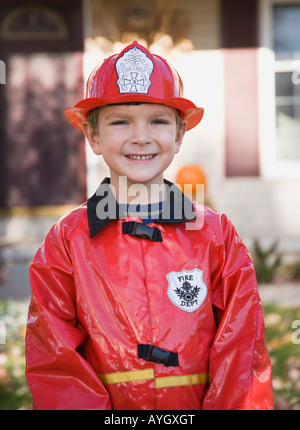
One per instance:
[(58, 375), (239, 369)]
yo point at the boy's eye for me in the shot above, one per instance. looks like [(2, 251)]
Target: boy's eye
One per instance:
[(119, 122), (159, 121)]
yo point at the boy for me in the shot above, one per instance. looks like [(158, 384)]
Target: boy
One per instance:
[(143, 309)]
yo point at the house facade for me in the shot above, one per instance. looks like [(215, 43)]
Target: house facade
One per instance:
[(238, 60)]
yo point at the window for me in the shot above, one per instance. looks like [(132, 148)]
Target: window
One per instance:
[(280, 86), (286, 43), (287, 117), (286, 32), (33, 22)]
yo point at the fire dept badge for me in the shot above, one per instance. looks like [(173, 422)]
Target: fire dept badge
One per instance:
[(134, 69), (187, 289)]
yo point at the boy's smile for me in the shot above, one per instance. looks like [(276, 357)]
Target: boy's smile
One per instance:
[(140, 157), (136, 141)]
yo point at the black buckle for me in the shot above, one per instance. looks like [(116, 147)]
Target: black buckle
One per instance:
[(158, 355), (138, 229), (142, 230)]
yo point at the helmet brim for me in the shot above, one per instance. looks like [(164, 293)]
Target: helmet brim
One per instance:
[(78, 114)]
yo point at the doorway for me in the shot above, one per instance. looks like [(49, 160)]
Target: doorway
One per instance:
[(42, 157)]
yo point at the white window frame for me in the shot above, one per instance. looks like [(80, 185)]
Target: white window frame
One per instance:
[(271, 167)]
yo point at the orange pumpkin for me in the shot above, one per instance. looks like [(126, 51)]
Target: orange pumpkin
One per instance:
[(191, 174)]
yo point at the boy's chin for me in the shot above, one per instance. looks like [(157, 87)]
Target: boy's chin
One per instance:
[(144, 181)]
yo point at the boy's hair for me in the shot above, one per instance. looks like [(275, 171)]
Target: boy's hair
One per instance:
[(93, 116)]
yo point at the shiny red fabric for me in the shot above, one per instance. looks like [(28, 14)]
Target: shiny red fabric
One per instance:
[(94, 300)]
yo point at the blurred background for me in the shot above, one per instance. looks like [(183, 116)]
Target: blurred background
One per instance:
[(240, 60)]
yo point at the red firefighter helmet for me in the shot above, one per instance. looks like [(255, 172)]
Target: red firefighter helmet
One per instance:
[(134, 75)]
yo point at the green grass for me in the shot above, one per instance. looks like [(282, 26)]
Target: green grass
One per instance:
[(284, 348), (285, 356), (14, 391)]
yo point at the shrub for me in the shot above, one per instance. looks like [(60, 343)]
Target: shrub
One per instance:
[(266, 262)]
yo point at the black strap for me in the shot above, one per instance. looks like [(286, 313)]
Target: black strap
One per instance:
[(158, 355), (138, 229)]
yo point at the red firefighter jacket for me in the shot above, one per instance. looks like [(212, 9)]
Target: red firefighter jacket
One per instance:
[(165, 316)]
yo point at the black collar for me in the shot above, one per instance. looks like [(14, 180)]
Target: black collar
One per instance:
[(102, 207)]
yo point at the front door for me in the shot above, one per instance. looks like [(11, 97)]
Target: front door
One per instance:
[(42, 157)]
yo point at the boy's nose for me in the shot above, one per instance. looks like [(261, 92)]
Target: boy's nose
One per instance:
[(140, 135)]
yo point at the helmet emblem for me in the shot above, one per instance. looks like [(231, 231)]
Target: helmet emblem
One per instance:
[(187, 289), (134, 69)]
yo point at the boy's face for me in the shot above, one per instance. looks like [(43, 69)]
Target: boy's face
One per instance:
[(136, 141)]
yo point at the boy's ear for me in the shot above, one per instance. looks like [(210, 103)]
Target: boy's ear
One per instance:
[(179, 137), (92, 137)]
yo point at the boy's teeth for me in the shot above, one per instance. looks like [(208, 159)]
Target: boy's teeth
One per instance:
[(140, 157)]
